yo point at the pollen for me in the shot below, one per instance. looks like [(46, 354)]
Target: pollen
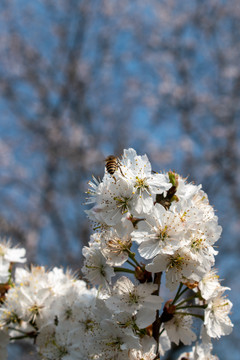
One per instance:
[(122, 203), (133, 298), (176, 262), (141, 184), (163, 235)]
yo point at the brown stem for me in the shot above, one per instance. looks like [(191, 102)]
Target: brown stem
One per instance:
[(157, 323)]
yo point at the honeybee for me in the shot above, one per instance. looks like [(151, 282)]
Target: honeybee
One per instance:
[(112, 164)]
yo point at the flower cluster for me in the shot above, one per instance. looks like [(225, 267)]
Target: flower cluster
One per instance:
[(151, 223), (148, 224)]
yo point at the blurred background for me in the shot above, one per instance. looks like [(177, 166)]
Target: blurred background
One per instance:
[(82, 79)]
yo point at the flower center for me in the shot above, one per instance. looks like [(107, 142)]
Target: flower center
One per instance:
[(183, 216), (162, 235), (62, 351), (141, 183), (89, 324), (35, 309), (115, 343), (133, 298), (11, 317), (122, 203), (117, 245), (68, 313), (197, 244), (176, 262)]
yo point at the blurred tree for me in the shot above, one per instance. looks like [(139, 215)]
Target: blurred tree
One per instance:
[(52, 135)]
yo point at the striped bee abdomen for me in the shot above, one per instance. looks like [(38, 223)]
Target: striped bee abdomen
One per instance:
[(111, 164)]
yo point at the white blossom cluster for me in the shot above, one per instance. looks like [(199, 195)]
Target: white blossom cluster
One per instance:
[(152, 223), (58, 312), (148, 224)]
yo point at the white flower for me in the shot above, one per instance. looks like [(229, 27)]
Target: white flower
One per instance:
[(59, 282), (4, 270), (162, 233), (115, 247), (129, 297), (216, 318), (202, 230), (32, 294), (195, 213), (112, 341), (10, 311), (200, 200), (179, 329), (62, 342), (15, 255), (32, 301), (12, 254), (186, 191), (136, 300), (148, 351), (9, 255), (36, 277), (145, 317), (76, 305), (95, 268), (201, 250), (209, 284), (179, 267), (138, 170), (199, 352), (124, 320), (113, 202)]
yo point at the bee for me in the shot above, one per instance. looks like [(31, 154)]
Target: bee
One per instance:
[(112, 164)]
